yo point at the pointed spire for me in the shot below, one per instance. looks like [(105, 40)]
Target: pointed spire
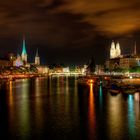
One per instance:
[(37, 53), (24, 53), (135, 49), (37, 58), (112, 50), (24, 47), (112, 45), (118, 50), (118, 45)]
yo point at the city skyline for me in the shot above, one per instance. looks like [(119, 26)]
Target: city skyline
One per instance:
[(69, 31)]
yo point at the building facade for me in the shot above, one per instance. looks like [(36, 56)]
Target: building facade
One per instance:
[(121, 61)]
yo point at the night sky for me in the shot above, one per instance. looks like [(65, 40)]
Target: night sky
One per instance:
[(69, 31)]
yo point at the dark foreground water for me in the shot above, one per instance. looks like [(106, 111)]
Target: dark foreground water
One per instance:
[(59, 109)]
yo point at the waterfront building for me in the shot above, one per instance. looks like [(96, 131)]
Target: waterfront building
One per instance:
[(99, 69), (66, 70), (121, 61), (21, 60), (84, 69), (129, 61), (4, 63), (42, 69), (18, 62)]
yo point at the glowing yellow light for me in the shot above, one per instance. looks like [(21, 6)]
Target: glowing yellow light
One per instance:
[(130, 77), (90, 81)]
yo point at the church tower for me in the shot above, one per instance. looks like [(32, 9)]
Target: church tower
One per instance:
[(135, 49), (118, 50), (24, 53), (112, 50), (37, 58)]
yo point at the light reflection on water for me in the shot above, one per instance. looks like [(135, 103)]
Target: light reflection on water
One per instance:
[(115, 116), (92, 120), (58, 107), (131, 117)]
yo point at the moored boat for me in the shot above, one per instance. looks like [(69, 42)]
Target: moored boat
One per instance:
[(87, 80), (128, 89), (114, 89)]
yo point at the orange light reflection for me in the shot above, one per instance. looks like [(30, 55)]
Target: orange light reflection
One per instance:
[(91, 111), (10, 93)]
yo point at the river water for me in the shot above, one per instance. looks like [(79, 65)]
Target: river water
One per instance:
[(58, 108)]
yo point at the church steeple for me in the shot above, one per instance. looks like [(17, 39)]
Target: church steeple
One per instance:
[(37, 58), (135, 49), (24, 53), (112, 50), (118, 50), (37, 53), (23, 47)]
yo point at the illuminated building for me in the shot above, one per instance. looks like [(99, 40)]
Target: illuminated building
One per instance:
[(112, 50), (37, 58), (99, 69), (66, 70), (84, 69), (4, 63), (118, 50), (121, 61), (21, 60), (115, 51), (24, 53), (129, 61), (42, 69), (18, 62)]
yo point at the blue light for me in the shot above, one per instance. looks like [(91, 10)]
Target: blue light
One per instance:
[(100, 96), (131, 117)]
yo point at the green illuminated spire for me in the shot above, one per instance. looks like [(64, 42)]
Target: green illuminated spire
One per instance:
[(24, 53), (24, 47)]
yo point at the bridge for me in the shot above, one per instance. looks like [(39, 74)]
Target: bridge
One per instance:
[(66, 74)]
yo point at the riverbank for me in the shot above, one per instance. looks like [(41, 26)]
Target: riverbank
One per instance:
[(20, 76)]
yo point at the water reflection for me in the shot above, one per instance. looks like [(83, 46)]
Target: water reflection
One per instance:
[(115, 117), (55, 108), (100, 97), (38, 108), (131, 117), (23, 111), (11, 102), (137, 105), (11, 93), (92, 117)]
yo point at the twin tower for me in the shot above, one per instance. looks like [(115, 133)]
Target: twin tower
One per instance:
[(115, 50)]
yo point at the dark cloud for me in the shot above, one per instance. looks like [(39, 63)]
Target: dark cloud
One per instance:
[(114, 17), (76, 26)]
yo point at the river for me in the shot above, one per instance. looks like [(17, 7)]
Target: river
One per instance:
[(58, 108)]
